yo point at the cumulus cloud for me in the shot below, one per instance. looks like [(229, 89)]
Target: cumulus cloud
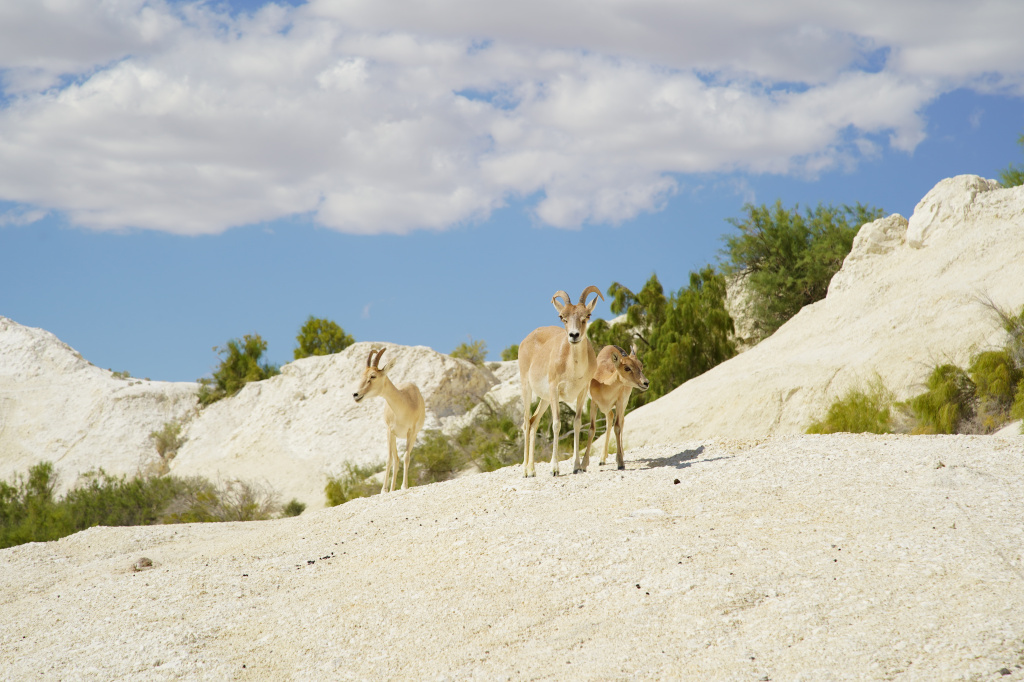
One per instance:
[(393, 116)]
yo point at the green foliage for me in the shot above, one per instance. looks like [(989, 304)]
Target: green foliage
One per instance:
[(789, 258), (435, 458), (167, 440), (321, 337), (29, 511), (947, 402), (510, 353), (293, 508), (859, 411), (996, 377), (352, 483), (200, 500), (1013, 176), (125, 374), (1017, 409), (240, 364), (474, 351), (679, 336)]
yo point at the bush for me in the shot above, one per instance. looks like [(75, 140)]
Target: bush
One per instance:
[(1017, 409), (293, 508), (167, 441), (352, 483), (859, 411), (474, 351), (320, 337), (996, 377), (947, 402), (1013, 176), (29, 511), (789, 259), (239, 365), (510, 353), (200, 500)]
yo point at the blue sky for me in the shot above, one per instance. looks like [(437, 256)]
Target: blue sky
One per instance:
[(177, 174)]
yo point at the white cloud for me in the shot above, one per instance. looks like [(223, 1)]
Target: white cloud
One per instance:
[(392, 116)]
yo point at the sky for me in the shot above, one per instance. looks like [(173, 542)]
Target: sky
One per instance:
[(177, 174)]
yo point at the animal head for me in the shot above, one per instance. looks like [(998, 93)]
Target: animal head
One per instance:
[(629, 368), (373, 376), (575, 317)]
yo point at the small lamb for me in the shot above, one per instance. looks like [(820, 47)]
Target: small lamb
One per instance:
[(616, 377)]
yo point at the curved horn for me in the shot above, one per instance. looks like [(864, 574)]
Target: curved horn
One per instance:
[(586, 292), (564, 296), (376, 363), (369, 358)]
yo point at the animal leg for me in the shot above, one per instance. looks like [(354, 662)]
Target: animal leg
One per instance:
[(590, 435), (607, 436), (620, 421), (556, 427), (527, 429), (410, 441), (393, 455), (577, 423)]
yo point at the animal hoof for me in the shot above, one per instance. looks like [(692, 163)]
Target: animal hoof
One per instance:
[(621, 467), (530, 475)]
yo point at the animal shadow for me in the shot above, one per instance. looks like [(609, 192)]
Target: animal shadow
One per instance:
[(680, 460)]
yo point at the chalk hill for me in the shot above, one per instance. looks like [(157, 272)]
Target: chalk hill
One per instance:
[(907, 297)]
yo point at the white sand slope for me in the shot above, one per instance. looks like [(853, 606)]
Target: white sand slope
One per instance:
[(906, 298), (56, 406), (790, 558)]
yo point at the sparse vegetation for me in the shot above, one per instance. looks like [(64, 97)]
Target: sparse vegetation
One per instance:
[(861, 410), (30, 510), (320, 337), (510, 353), (474, 351), (167, 441), (293, 508), (352, 483), (1013, 175), (240, 364)]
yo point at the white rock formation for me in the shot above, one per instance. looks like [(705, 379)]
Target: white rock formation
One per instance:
[(295, 429), (56, 406), (906, 298)]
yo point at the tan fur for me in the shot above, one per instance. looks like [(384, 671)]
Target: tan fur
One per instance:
[(404, 414), (616, 376), (556, 369)]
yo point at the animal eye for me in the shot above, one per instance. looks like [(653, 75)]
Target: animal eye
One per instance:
[(628, 369)]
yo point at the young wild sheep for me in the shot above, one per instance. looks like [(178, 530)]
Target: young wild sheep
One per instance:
[(616, 376), (404, 414)]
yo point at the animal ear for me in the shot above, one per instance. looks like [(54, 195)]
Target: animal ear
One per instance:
[(616, 358), (387, 366), (632, 350)]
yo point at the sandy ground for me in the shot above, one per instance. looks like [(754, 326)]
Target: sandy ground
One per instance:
[(791, 558)]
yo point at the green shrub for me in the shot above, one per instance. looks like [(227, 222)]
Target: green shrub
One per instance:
[(29, 511), (352, 483), (239, 365), (201, 501), (1017, 409), (510, 353), (859, 411), (789, 259), (320, 337), (435, 458), (167, 440), (1013, 176), (293, 508), (995, 376), (947, 402), (474, 351)]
